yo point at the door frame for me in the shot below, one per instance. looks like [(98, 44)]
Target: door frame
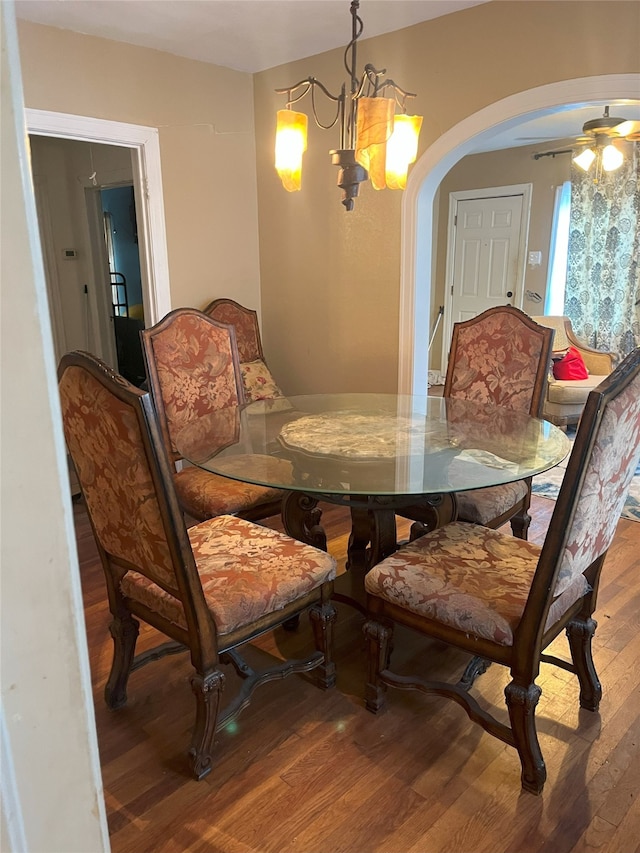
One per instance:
[(147, 184), (45, 230), (523, 190)]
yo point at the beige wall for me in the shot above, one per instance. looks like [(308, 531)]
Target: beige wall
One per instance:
[(498, 169), (204, 114), (331, 278), (50, 775)]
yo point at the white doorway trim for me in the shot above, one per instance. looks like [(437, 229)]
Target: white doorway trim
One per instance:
[(418, 254), (45, 228), (147, 179)]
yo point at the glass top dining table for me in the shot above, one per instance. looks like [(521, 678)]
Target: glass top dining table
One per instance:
[(372, 444), (376, 453)]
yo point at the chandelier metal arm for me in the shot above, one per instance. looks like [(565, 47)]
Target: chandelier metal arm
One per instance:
[(309, 85), (399, 94), (339, 112), (370, 80), (372, 74)]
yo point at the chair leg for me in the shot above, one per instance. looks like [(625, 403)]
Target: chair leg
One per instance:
[(580, 634), (322, 617), (208, 690), (417, 530), (520, 525), (521, 702), (379, 638), (124, 631)]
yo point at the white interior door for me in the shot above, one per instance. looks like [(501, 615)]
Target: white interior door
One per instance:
[(486, 254)]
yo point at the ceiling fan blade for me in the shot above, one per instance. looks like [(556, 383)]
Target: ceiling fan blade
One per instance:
[(626, 128)]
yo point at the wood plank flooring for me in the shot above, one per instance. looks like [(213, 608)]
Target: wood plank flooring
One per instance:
[(306, 771)]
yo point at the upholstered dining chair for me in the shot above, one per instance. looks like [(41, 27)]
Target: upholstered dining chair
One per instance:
[(193, 369), (502, 357), (210, 589), (504, 599), (257, 379)]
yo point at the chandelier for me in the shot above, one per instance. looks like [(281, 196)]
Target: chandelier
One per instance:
[(375, 142)]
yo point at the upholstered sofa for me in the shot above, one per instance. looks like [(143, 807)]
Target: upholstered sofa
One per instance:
[(565, 398)]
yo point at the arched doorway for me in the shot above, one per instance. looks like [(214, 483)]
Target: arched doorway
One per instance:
[(417, 211)]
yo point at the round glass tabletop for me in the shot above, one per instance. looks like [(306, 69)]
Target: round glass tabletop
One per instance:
[(372, 444)]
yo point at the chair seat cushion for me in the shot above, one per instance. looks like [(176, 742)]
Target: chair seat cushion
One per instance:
[(205, 495), (570, 391), (247, 571), (484, 505), (468, 577)]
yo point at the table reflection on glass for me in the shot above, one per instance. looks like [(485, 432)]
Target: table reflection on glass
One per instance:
[(375, 453)]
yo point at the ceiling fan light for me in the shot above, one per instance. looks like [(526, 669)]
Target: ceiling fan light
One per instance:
[(585, 159), (611, 158)]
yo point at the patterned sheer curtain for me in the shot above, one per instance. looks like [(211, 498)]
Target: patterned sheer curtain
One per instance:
[(602, 296)]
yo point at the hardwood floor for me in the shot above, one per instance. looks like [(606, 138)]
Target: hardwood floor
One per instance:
[(312, 772)]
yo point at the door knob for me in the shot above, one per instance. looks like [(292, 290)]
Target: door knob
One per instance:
[(509, 294)]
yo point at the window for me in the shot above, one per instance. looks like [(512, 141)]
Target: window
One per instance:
[(554, 301)]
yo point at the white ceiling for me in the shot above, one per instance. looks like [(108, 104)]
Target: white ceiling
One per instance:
[(563, 123), (251, 35), (247, 35)]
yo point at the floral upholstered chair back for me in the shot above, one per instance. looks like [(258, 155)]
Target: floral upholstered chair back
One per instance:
[(193, 369), (257, 379), (592, 496), (105, 438), (499, 357), (244, 321)]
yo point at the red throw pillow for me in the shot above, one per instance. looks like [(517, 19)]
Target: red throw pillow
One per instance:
[(570, 366)]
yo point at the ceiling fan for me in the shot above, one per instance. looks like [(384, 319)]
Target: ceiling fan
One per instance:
[(611, 127), (600, 143)]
